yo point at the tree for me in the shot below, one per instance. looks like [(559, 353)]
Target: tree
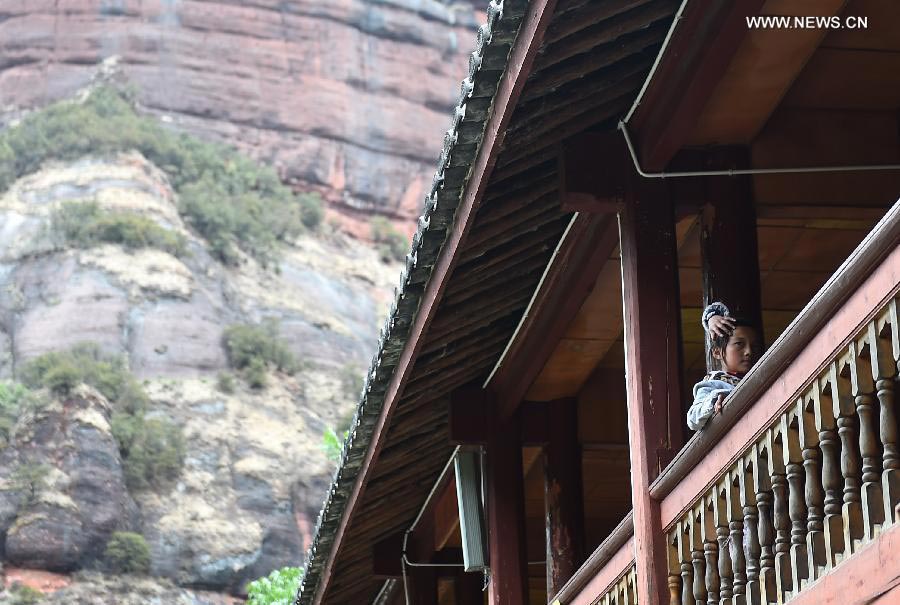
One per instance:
[(30, 479), (278, 588)]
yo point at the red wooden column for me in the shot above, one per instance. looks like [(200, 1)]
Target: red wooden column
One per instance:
[(423, 581), (506, 511), (652, 364), (563, 495), (728, 239)]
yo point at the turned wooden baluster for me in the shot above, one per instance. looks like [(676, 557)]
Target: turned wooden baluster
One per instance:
[(751, 526), (813, 493), (833, 523), (674, 563), (687, 568), (710, 549), (736, 540), (720, 520), (763, 487), (883, 338), (695, 535), (631, 588), (863, 394), (793, 463), (844, 408), (782, 520)]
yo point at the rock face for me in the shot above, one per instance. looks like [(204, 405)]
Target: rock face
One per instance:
[(66, 524), (97, 589), (254, 470), (350, 98)]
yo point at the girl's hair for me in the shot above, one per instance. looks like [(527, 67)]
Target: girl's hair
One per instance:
[(720, 342)]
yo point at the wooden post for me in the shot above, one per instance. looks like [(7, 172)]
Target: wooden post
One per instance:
[(563, 495), (506, 511), (423, 581), (653, 368), (728, 241)]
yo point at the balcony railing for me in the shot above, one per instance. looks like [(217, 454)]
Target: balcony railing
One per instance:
[(822, 480)]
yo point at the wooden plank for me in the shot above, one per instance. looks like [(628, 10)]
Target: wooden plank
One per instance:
[(563, 496), (763, 69), (699, 52), (521, 58), (569, 366), (590, 241), (848, 79), (809, 137), (652, 360)]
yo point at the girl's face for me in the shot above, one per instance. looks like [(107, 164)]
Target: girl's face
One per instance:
[(740, 352)]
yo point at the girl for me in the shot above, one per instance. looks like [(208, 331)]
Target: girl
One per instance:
[(735, 348)]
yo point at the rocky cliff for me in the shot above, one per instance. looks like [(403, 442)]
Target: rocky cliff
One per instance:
[(254, 470), (349, 98)]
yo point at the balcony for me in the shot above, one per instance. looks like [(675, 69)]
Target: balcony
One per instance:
[(792, 493)]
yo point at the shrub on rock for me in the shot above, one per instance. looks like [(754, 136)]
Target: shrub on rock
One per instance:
[(127, 552)]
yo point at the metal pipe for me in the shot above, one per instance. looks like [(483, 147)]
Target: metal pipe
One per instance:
[(637, 101), (744, 171), (403, 560)]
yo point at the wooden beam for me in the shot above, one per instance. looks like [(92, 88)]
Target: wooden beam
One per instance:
[(420, 548), (590, 173), (590, 241), (728, 241), (506, 512), (698, 55), (470, 419), (652, 365), (563, 496), (467, 588), (521, 58)]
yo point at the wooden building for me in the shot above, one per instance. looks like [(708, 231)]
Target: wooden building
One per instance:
[(548, 319)]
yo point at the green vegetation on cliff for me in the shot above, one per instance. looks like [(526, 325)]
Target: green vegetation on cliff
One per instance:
[(84, 225), (152, 448), (228, 198), (127, 552), (252, 349), (14, 400), (392, 245)]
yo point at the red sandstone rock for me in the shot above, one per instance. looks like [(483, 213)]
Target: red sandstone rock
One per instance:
[(350, 96)]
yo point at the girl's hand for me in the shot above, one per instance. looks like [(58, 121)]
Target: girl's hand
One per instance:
[(719, 325), (720, 403)]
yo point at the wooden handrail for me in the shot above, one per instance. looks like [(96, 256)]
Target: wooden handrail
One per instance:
[(598, 559), (848, 277)]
